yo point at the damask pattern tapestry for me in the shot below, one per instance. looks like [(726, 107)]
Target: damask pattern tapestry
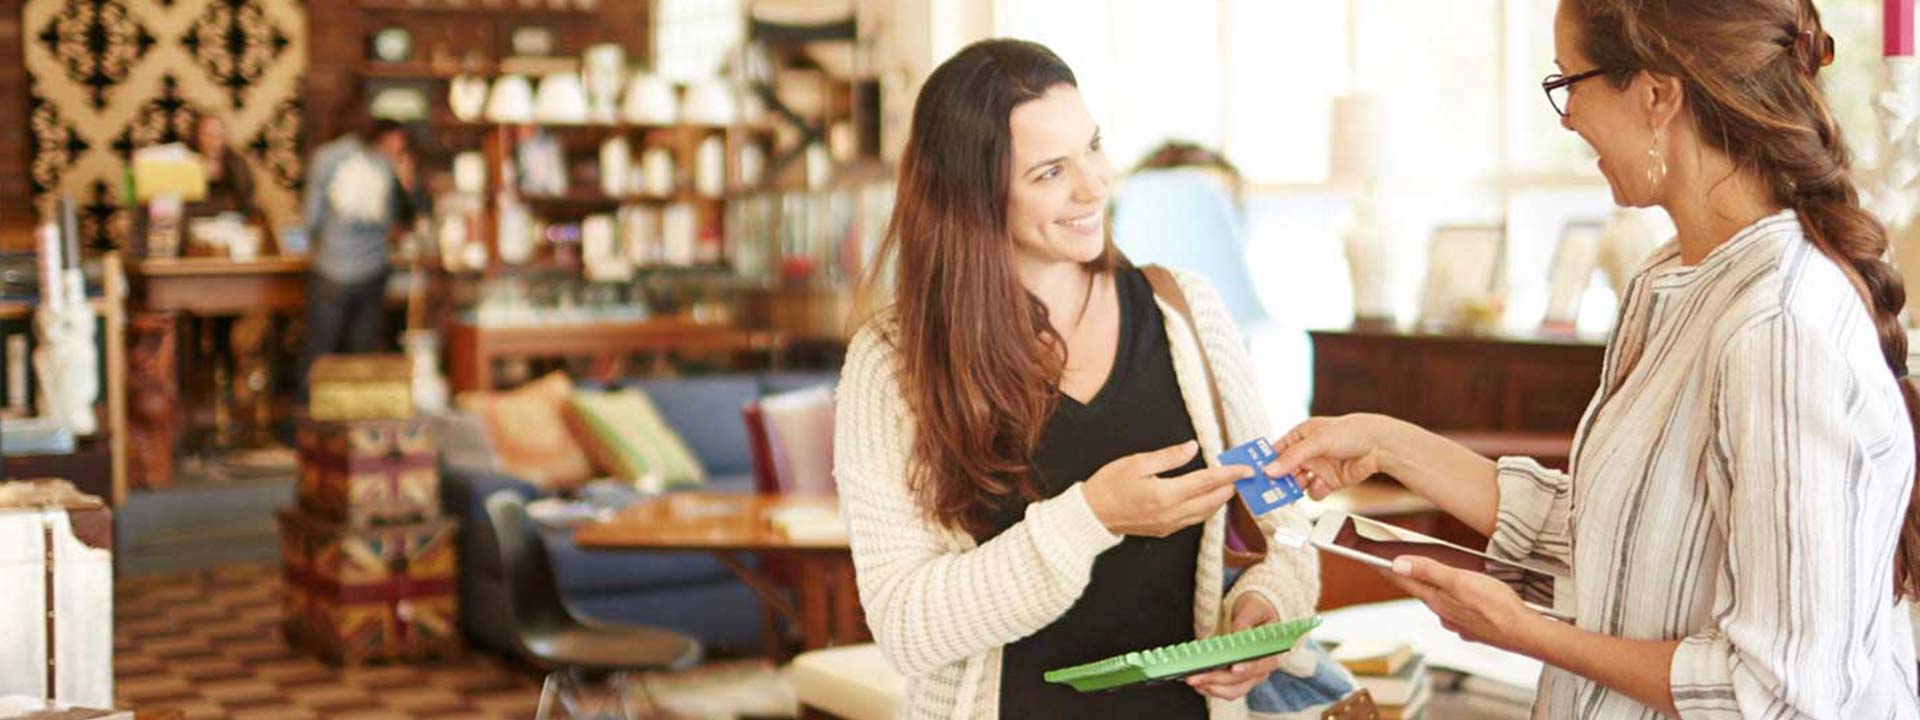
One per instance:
[(108, 77)]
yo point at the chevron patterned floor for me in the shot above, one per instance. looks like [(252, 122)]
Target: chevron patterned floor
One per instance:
[(208, 643)]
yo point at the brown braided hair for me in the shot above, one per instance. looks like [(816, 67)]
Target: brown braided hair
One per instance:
[(1749, 69)]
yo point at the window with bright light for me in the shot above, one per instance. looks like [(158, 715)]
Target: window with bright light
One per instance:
[(1472, 137), (1257, 78)]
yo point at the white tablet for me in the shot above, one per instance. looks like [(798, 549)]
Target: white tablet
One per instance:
[(1376, 543)]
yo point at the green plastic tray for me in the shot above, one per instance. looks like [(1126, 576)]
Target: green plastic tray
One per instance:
[(1170, 662)]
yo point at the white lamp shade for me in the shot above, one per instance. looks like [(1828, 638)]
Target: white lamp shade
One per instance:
[(650, 100), (709, 102), (511, 100), (1362, 139), (467, 97), (561, 100)]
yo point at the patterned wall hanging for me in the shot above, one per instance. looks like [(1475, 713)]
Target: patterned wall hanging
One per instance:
[(108, 77)]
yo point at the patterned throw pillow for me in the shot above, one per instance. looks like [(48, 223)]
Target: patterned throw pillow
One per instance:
[(528, 429), (623, 432)]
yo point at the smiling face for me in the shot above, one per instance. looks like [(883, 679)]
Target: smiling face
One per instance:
[(1616, 122), (1057, 192)]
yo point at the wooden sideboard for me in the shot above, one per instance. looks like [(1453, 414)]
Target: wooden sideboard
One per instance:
[(1499, 394)]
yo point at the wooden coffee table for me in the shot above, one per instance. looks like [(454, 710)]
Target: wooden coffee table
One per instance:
[(728, 525)]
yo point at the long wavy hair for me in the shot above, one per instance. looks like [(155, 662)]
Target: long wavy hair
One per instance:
[(980, 363), (1750, 69)]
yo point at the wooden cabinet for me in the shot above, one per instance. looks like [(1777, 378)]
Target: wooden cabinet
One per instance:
[(1456, 382), (1499, 394)]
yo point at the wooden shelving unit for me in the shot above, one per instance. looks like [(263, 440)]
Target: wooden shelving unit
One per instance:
[(110, 307), (473, 8)]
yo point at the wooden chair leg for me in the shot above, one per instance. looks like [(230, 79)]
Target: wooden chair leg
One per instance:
[(773, 634)]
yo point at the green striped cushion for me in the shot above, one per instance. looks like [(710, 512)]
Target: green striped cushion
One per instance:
[(624, 431)]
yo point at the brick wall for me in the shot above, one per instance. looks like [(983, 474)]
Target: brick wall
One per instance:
[(15, 207)]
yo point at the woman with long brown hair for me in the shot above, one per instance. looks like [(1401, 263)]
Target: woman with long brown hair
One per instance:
[(1022, 436), (1738, 518)]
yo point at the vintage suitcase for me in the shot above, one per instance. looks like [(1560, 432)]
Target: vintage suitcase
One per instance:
[(360, 387), (369, 471), (371, 592), (56, 593)]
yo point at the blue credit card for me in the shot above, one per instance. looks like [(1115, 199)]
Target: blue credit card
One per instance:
[(1261, 493)]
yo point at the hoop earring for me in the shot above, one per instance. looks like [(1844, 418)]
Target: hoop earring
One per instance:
[(1656, 165)]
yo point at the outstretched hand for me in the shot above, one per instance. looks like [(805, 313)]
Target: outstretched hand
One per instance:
[(1476, 606), (1328, 454)]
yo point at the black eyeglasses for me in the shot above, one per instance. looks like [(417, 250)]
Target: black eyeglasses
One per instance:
[(1558, 87)]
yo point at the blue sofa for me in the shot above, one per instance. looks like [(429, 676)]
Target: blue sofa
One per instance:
[(689, 592)]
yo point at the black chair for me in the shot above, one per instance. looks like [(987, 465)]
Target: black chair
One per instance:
[(575, 652)]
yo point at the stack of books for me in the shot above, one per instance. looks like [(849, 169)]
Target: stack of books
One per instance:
[(1392, 673)]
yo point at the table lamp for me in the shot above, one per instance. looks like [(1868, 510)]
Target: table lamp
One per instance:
[(1362, 159)]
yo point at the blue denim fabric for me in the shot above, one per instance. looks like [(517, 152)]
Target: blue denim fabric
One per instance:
[(1284, 692)]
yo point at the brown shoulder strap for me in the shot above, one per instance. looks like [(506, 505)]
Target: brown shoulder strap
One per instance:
[(1240, 522), (1168, 290)]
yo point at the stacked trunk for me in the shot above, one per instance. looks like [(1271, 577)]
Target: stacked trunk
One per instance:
[(370, 563)]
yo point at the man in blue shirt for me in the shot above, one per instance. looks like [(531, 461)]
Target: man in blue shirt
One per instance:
[(360, 187)]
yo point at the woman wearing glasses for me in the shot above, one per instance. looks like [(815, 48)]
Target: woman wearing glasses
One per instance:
[(1738, 518)]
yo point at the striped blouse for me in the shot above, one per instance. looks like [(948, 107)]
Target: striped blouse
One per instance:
[(1738, 484)]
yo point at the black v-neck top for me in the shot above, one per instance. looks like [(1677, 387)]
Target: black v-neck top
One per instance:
[(1141, 591)]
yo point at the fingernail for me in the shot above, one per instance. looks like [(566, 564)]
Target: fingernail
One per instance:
[(1403, 566)]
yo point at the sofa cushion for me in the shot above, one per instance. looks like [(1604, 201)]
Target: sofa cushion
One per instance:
[(775, 383), (799, 429), (529, 432), (462, 441), (706, 412), (624, 434)]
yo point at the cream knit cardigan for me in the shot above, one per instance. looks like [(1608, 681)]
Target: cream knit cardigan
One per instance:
[(942, 608)]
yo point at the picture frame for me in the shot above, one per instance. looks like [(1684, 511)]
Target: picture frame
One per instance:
[(1466, 270), (531, 40), (404, 101), (393, 44), (1576, 256)]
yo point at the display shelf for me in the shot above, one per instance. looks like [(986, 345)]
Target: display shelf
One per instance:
[(442, 7), (589, 202), (23, 309), (421, 71), (473, 348)]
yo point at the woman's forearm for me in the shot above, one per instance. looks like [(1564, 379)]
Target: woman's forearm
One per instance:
[(1458, 480), (1639, 669)]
